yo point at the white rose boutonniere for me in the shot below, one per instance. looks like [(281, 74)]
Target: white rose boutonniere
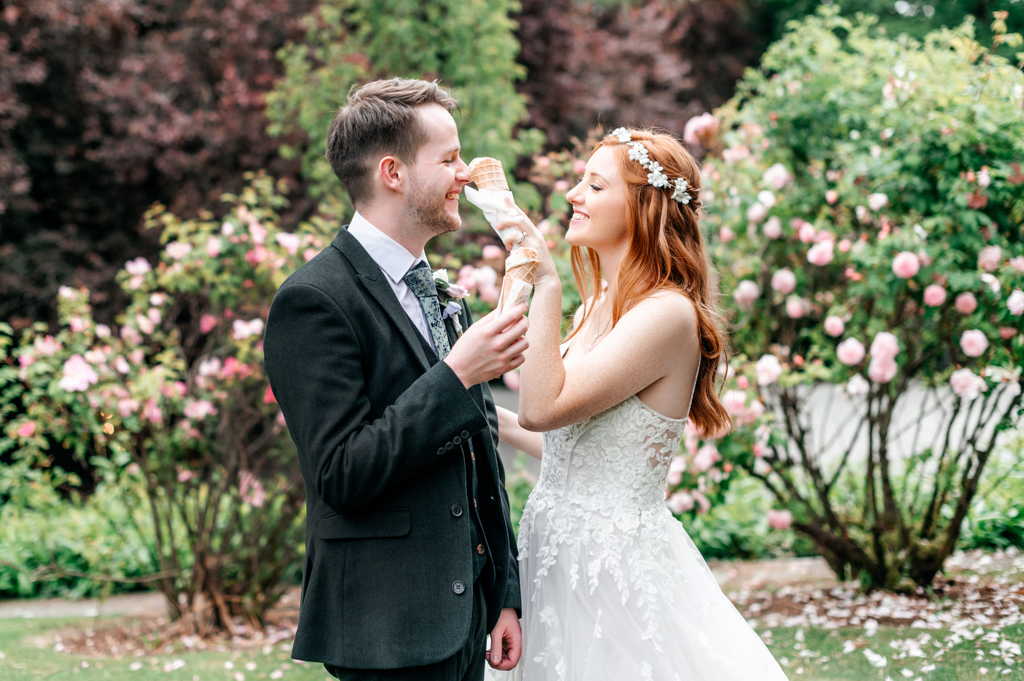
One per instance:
[(449, 294)]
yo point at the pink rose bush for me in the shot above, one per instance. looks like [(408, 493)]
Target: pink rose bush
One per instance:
[(908, 257), (167, 395)]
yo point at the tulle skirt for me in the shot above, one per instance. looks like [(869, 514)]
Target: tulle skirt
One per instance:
[(622, 605)]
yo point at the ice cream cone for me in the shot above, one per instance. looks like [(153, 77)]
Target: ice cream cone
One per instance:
[(520, 276), (488, 174)]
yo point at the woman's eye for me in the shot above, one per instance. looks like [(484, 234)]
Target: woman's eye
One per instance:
[(595, 187)]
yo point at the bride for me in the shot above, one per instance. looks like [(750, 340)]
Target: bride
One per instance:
[(613, 587)]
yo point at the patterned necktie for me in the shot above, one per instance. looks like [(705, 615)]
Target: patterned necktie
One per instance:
[(421, 280)]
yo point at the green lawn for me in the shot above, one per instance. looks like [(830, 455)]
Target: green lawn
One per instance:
[(27, 654)]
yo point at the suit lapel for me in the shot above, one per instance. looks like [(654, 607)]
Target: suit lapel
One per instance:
[(376, 284)]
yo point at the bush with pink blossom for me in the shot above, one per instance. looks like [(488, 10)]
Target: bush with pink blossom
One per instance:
[(883, 235), (172, 401)]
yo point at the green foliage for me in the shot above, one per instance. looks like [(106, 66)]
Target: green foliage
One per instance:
[(469, 46), (174, 400), (854, 172)]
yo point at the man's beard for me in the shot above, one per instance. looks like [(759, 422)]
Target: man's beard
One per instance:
[(430, 213)]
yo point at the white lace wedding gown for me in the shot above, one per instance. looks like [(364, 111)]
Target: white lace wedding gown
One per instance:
[(613, 587)]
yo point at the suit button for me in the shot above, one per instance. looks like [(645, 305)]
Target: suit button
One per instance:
[(456, 510), (480, 549), (440, 451), (459, 587), (457, 440), (449, 446), (465, 435)]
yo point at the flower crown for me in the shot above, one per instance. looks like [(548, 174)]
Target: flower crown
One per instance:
[(655, 177)]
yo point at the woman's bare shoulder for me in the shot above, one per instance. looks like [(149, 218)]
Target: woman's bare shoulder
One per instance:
[(670, 309)]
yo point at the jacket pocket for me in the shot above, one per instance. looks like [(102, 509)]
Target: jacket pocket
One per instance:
[(391, 522)]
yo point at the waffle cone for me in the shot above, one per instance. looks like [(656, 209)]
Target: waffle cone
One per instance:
[(518, 282), (488, 174)]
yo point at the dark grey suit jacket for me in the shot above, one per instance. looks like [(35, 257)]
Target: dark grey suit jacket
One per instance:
[(388, 577)]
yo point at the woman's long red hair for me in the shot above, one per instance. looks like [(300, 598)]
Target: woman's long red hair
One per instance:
[(665, 251)]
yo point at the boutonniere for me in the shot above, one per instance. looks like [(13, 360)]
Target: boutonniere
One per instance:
[(450, 294)]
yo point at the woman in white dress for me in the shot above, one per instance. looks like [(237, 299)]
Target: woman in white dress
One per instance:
[(613, 587)]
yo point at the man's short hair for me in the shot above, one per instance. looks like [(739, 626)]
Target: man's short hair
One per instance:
[(379, 119)]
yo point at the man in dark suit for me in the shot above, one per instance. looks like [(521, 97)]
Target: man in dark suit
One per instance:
[(410, 555)]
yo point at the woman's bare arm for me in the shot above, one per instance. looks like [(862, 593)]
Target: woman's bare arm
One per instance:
[(513, 434), (644, 346)]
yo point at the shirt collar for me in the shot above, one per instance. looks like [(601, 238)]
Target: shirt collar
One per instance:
[(392, 257)]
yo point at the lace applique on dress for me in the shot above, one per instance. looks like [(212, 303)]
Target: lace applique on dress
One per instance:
[(613, 587)]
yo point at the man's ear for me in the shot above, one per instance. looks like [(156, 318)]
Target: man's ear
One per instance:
[(392, 173)]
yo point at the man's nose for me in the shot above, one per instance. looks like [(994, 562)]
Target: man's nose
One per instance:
[(462, 172)]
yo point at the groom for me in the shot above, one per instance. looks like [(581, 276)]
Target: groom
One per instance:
[(410, 556)]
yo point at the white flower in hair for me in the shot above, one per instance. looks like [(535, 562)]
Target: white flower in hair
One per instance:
[(623, 135), (656, 176), (680, 194)]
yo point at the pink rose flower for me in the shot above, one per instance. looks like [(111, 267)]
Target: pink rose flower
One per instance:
[(725, 235), (486, 277), (989, 257), (511, 380), (1007, 332), (680, 502), (934, 295), (844, 245), (561, 186), (704, 505), (796, 307), (885, 346), (1017, 263), (857, 386), (309, 254), (257, 231), (178, 249), (213, 247), (290, 242), (759, 449), (26, 361), (207, 323), (877, 201), (966, 303), (242, 329), (27, 429), (137, 267), (697, 128), (784, 281), (251, 490), (199, 409), (675, 470), (121, 364), (737, 153), (766, 198), (834, 326), (780, 520), (126, 407), (973, 343), (966, 384), (773, 227), (78, 375), (705, 458), (831, 196), (757, 212), (776, 176), (48, 345), (579, 167), (492, 252), (905, 265), (882, 369), (1015, 303), (821, 253), (806, 232), (768, 369), (489, 294), (850, 351), (151, 412), (746, 294), (742, 382)]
